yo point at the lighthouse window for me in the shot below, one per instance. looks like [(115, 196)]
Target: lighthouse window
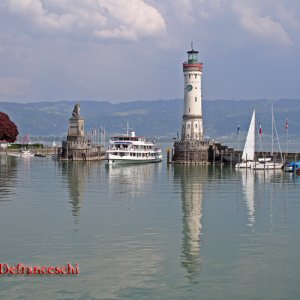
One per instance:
[(196, 125), (189, 110), (195, 76), (188, 126), (195, 99), (189, 76)]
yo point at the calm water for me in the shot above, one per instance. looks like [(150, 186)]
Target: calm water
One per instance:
[(150, 231)]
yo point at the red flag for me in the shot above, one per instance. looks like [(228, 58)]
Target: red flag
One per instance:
[(286, 124), (260, 129)]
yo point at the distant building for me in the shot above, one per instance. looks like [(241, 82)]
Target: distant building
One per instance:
[(78, 146), (4, 144)]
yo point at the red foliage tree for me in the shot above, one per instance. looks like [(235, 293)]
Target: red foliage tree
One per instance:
[(8, 129)]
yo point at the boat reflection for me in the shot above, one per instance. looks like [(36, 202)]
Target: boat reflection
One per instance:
[(259, 188), (190, 179), (271, 176), (131, 180), (248, 181)]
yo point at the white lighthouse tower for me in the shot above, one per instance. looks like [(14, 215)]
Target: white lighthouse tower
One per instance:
[(192, 125), (192, 147)]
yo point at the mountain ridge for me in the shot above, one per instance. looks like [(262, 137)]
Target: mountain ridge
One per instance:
[(157, 118)]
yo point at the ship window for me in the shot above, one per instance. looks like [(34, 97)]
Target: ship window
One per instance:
[(189, 110), (196, 125), (188, 126), (195, 76), (195, 99), (189, 76)]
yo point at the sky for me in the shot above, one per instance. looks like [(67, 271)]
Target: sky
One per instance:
[(129, 50)]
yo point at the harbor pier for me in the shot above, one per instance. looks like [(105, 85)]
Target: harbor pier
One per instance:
[(209, 152)]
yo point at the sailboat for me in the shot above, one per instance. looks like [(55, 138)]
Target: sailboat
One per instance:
[(268, 163), (249, 148)]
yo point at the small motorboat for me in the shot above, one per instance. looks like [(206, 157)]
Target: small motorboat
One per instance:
[(26, 153), (293, 166), (39, 155)]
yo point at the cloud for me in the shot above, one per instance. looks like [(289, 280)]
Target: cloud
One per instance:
[(262, 27), (288, 16), (189, 11), (137, 19), (122, 19), (13, 86)]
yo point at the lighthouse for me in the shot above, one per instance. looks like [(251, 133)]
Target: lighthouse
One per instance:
[(192, 125), (192, 147)]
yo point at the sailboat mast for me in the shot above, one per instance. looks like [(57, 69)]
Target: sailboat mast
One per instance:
[(272, 129)]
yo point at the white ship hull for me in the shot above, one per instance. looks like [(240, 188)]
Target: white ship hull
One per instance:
[(117, 160), (259, 166), (245, 165), (268, 166)]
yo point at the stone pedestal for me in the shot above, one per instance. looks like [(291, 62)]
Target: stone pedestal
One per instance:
[(77, 146), (191, 152)]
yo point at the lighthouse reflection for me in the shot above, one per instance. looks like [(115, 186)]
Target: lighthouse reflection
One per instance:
[(190, 180)]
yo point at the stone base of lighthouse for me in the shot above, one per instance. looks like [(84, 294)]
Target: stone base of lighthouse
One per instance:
[(196, 152), (203, 153)]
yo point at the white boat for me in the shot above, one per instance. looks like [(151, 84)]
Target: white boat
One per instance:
[(248, 157), (249, 148), (267, 164), (132, 149), (26, 153), (22, 153)]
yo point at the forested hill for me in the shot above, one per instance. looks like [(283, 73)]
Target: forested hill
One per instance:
[(160, 118)]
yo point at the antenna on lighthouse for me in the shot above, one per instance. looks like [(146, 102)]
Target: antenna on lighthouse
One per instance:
[(192, 45)]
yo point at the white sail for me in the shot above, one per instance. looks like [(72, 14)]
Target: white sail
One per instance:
[(249, 149)]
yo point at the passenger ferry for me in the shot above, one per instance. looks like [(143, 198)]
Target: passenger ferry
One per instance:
[(132, 149)]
